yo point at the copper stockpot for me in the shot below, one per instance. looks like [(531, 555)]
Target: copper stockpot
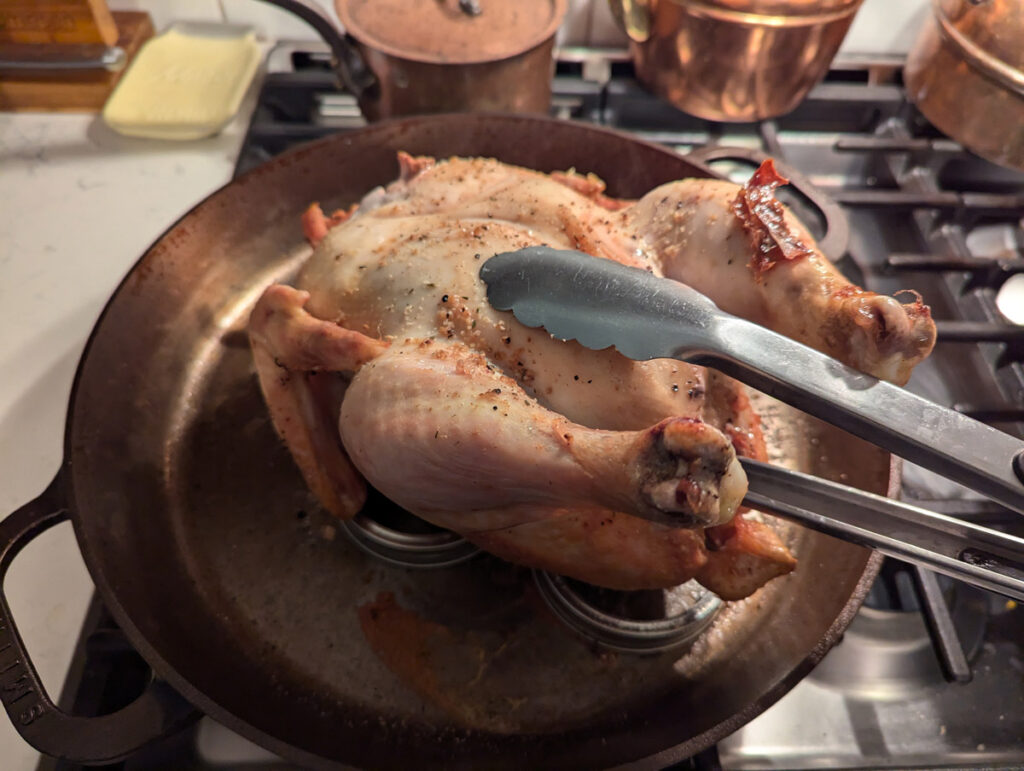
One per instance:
[(734, 60), (965, 73), (410, 57)]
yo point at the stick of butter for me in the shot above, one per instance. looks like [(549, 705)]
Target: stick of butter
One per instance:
[(186, 83)]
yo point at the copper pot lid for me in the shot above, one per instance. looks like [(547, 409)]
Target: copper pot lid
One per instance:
[(451, 31)]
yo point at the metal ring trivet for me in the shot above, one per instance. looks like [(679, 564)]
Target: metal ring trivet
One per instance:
[(411, 550), (688, 610)]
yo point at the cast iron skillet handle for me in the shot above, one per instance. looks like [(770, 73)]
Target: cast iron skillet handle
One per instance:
[(106, 739), (354, 73), (837, 228)]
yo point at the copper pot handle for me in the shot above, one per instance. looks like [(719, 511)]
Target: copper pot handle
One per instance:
[(157, 712), (634, 17), (348, 62)]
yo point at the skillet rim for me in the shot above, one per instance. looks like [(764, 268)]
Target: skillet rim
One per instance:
[(225, 716)]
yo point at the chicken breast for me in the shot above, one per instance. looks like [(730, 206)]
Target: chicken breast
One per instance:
[(386, 363)]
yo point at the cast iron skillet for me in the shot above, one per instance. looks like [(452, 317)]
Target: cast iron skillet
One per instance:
[(222, 571)]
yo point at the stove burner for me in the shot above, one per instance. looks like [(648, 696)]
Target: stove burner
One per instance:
[(395, 536), (630, 622), (888, 654)]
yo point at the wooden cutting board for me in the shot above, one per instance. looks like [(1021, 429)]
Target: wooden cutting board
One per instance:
[(48, 30)]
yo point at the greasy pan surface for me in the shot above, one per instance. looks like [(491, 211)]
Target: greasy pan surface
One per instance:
[(222, 570)]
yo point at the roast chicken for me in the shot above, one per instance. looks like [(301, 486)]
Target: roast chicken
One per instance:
[(386, 364)]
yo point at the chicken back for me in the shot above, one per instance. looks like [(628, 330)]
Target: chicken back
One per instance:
[(387, 364)]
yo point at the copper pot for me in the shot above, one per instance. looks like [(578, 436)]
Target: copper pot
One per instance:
[(734, 60), (965, 73), (408, 57)]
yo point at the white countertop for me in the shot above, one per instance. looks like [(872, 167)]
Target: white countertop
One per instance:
[(79, 205)]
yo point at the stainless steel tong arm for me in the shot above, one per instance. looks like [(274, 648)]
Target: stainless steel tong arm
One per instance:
[(981, 556), (601, 303), (942, 440)]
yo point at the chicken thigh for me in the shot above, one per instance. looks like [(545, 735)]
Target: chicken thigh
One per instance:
[(386, 363)]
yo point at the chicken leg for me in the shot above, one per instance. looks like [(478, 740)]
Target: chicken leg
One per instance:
[(456, 442), (743, 249)]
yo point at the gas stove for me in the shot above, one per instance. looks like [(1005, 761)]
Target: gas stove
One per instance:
[(931, 672)]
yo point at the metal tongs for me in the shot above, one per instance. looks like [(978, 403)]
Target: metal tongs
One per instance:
[(601, 303)]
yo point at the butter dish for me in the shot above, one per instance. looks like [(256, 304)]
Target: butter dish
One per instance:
[(187, 83)]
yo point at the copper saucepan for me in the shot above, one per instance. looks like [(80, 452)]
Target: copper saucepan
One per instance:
[(734, 60), (408, 58), (965, 73)]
